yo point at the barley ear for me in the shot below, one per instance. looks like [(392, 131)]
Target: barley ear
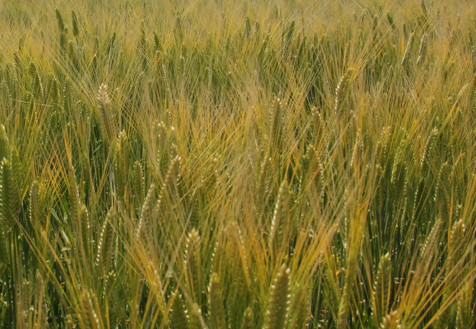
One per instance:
[(34, 206), (381, 289), (406, 54), (121, 164), (138, 182), (9, 196), (390, 321), (89, 311), (192, 265), (74, 20), (248, 319), (84, 231), (278, 308), (216, 309), (300, 311), (105, 115), (465, 315), (278, 223), (195, 318), (422, 49), (178, 316), (341, 88), (431, 241), (104, 253), (146, 209), (59, 20), (4, 143)]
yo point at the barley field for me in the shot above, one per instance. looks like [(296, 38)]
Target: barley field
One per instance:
[(220, 164)]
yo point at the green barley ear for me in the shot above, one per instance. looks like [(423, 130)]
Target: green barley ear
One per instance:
[(248, 319), (105, 114), (74, 19), (432, 240), (37, 85), (34, 206), (353, 250), (300, 308), (192, 266), (382, 289), (157, 44), (279, 222), (455, 243), (84, 229), (216, 309), (169, 181), (261, 187), (121, 164), (41, 306), (466, 313), (278, 308), (17, 169), (178, 316), (105, 248), (74, 196), (9, 196), (60, 21), (146, 208), (275, 134), (143, 48), (195, 318), (455, 253), (138, 182), (4, 143)]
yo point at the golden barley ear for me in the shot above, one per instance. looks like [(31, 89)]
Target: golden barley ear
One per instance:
[(390, 321), (341, 88), (408, 48), (278, 308), (216, 310), (422, 49), (382, 289), (178, 316), (193, 266), (90, 313)]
